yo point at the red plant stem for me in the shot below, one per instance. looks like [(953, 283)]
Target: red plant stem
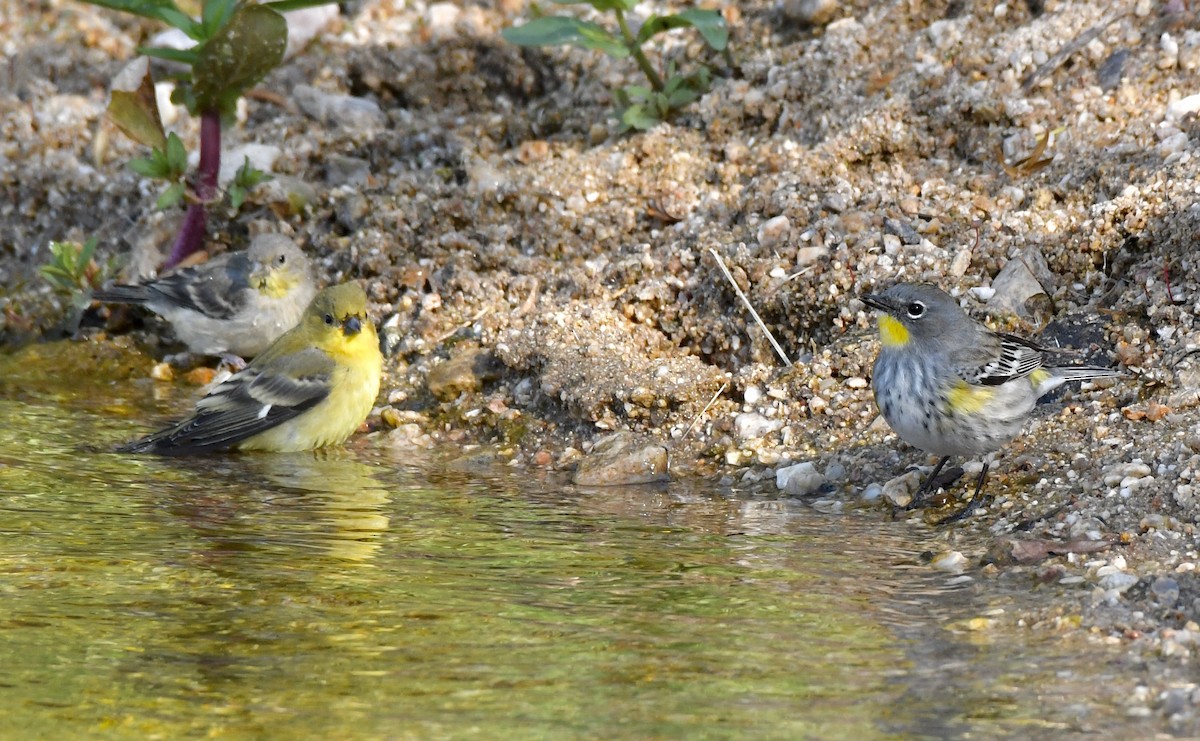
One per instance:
[(195, 221)]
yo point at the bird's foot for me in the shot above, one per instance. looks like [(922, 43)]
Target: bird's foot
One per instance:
[(232, 363)]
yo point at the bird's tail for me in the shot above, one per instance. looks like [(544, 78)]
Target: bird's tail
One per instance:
[(122, 294), (1085, 373), (1048, 379)]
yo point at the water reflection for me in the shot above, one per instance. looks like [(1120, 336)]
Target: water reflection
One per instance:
[(343, 595), (345, 497)]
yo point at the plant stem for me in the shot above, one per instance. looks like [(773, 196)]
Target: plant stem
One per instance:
[(210, 155), (636, 50), (195, 221)]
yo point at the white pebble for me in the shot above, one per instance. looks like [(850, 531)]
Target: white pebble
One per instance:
[(749, 425), (1182, 107), (982, 293), (799, 479), (773, 232), (953, 562)]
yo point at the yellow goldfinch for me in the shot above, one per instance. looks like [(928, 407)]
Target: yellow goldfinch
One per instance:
[(238, 303), (311, 388)]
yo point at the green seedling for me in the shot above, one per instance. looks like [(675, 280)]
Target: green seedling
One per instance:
[(74, 273), (244, 180), (640, 107), (237, 43)]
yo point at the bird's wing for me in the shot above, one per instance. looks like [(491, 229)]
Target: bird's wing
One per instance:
[(252, 401), (218, 289), (1000, 359)]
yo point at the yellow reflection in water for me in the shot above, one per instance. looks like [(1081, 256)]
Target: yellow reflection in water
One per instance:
[(353, 501)]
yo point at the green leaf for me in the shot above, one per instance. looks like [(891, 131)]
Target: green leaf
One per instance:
[(176, 155), (85, 255), (135, 112), (641, 117), (237, 196), (182, 56), (242, 52), (154, 166), (561, 29), (160, 10), (171, 196), (637, 92), (284, 6), (248, 175), (215, 15), (680, 97), (709, 23), (602, 5)]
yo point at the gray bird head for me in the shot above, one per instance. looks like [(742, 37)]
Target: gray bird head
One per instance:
[(916, 312)]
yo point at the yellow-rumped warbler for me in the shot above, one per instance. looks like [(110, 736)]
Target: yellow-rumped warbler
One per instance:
[(949, 385), (237, 303)]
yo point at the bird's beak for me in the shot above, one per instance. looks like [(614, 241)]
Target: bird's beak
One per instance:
[(352, 326), (875, 302)]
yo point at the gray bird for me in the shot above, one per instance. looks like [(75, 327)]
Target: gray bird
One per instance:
[(952, 387), (237, 303)]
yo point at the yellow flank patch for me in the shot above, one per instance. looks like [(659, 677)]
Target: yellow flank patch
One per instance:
[(891, 332), (1038, 377), (967, 399)]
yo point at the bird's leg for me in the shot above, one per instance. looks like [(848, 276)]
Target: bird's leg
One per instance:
[(234, 363), (927, 488), (976, 500)]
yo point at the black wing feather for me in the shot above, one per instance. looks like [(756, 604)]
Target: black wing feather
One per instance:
[(250, 402)]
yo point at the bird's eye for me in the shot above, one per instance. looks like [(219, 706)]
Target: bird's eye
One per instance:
[(282, 259), (329, 319), (916, 310)]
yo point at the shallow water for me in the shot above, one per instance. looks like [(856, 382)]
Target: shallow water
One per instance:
[(349, 595)]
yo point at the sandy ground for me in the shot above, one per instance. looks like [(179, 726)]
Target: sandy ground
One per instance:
[(544, 282)]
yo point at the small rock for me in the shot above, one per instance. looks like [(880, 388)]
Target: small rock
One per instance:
[(800, 479), (749, 425), (1165, 591), (1176, 142), (808, 255), (465, 372), (1110, 72), (952, 562), (162, 372), (343, 170), (1024, 276), (836, 203), (752, 394), (1122, 472), (1170, 51), (983, 294), (810, 12), (441, 18), (304, 24), (961, 262), (900, 490), (1180, 109), (903, 230), (622, 459), (774, 232), (343, 110), (1118, 582)]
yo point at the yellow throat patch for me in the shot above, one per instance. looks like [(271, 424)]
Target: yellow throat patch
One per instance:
[(275, 283), (891, 332)]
